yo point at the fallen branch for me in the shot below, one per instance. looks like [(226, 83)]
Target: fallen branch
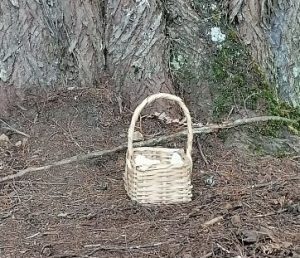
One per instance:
[(121, 248), (10, 128), (201, 152), (198, 130), (102, 247), (271, 213)]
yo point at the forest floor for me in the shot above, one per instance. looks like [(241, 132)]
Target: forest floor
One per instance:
[(82, 210)]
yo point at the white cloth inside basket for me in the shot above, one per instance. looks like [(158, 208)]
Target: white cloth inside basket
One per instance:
[(176, 160), (144, 163)]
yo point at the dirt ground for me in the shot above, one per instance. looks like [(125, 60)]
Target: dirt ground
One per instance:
[(251, 203)]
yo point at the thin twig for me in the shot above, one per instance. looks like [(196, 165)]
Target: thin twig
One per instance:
[(230, 112), (201, 152), (272, 183), (212, 221), (101, 247), (76, 158), (69, 256), (69, 134), (152, 142), (246, 99), (262, 185), (10, 128), (223, 248), (270, 213), (207, 255)]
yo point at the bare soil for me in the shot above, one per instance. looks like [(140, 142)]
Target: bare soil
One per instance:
[(252, 203)]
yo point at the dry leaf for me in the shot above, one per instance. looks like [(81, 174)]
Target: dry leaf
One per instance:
[(18, 144), (4, 140), (228, 206), (236, 220), (166, 119), (137, 136), (24, 141), (281, 201)]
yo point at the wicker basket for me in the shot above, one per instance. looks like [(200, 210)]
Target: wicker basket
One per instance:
[(159, 175)]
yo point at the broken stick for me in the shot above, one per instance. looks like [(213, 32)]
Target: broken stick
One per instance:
[(197, 130), (10, 128)]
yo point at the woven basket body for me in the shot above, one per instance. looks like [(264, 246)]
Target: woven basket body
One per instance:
[(156, 175)]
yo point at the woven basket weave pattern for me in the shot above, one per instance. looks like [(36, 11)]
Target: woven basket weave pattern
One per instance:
[(161, 181)]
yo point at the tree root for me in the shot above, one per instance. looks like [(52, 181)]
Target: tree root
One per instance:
[(197, 130)]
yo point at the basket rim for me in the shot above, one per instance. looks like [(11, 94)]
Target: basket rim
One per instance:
[(159, 149)]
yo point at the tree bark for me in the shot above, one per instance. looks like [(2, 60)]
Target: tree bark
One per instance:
[(137, 48), (48, 44), (145, 46), (190, 56), (272, 30)]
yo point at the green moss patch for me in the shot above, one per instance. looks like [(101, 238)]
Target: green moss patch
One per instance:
[(241, 86)]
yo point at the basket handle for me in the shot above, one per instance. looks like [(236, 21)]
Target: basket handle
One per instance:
[(150, 99)]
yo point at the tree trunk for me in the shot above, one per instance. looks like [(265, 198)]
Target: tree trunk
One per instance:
[(145, 46), (48, 44), (272, 30)]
